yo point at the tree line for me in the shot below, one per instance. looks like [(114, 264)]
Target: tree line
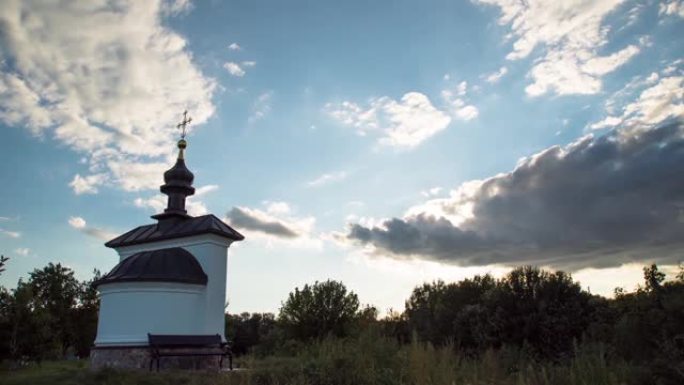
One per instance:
[(52, 315), (543, 315), (539, 315)]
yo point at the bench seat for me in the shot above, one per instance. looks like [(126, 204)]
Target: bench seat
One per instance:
[(166, 345)]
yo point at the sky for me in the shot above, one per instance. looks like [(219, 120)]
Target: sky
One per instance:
[(384, 144)]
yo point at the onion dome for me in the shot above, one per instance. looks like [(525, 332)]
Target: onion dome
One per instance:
[(177, 186), (179, 175), (173, 264)]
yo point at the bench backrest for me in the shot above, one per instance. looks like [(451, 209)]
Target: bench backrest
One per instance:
[(168, 340)]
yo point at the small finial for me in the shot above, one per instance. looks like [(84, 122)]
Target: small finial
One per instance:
[(182, 144)]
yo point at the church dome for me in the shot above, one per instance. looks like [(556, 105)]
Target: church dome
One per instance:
[(164, 265), (179, 175)]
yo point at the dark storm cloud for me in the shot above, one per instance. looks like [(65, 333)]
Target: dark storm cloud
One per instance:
[(249, 220), (599, 201)]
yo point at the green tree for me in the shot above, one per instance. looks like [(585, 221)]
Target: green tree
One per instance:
[(27, 326), (318, 310), (545, 311), (653, 278), (85, 316), (246, 330), (3, 260), (434, 309), (56, 290)]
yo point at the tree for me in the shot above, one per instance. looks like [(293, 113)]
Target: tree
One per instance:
[(56, 290), (653, 278), (3, 260), (28, 333), (318, 310), (85, 316), (246, 330), (545, 311), (434, 308)]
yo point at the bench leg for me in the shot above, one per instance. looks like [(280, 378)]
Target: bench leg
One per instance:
[(158, 363)]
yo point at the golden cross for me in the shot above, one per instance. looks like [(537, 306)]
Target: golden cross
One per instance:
[(183, 125)]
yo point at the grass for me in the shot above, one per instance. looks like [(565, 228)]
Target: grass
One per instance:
[(366, 360)]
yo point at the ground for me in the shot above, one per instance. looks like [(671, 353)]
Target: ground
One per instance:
[(77, 373)]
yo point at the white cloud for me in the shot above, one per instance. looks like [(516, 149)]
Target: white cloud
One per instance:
[(570, 72), (133, 176), (431, 192), (458, 107), (261, 107), (462, 88), (605, 64), (23, 251), (77, 222), (196, 207), (81, 225), (657, 103), (204, 190), (627, 91), (569, 35), (405, 123), (352, 114), (328, 178), (673, 67), (234, 47), (277, 207), (88, 184), (156, 203), (609, 121), (662, 100), (672, 7), (193, 204), (467, 112), (234, 69), (11, 234), (276, 225), (112, 94), (412, 120), (248, 64), (495, 76), (176, 7)]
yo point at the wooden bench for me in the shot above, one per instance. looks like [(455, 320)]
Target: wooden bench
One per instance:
[(167, 346)]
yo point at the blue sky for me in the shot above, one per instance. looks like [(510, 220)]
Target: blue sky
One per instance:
[(384, 139)]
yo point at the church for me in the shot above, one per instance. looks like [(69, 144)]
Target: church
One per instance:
[(170, 281)]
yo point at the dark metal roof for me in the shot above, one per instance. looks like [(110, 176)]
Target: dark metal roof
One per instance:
[(183, 227), (164, 265)]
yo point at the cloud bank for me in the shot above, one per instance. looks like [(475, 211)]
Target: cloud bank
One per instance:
[(599, 201), (112, 94)]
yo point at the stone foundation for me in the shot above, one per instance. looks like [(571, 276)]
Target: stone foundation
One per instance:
[(138, 357)]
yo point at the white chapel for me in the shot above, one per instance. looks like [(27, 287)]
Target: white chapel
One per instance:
[(170, 279)]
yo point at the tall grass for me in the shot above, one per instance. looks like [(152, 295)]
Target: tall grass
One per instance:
[(367, 359), (371, 359)]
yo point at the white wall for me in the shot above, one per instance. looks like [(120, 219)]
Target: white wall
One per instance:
[(128, 311)]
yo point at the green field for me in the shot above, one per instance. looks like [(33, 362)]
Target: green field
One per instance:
[(368, 360)]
